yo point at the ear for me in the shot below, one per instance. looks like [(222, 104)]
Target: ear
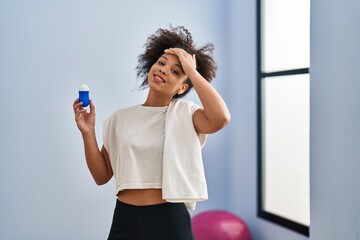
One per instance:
[(183, 88)]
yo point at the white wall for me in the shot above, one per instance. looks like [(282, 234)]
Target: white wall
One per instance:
[(49, 48), (335, 118)]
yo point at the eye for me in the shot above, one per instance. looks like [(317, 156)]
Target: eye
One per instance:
[(161, 63), (175, 72)]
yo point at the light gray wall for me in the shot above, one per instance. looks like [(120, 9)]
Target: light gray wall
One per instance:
[(47, 50), (335, 118)]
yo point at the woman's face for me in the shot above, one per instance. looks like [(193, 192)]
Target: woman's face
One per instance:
[(166, 76)]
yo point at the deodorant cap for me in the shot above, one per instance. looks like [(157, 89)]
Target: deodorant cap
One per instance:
[(84, 87)]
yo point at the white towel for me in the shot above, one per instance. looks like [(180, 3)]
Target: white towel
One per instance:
[(183, 170)]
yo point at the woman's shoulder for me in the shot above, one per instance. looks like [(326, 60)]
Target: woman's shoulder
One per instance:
[(186, 104), (127, 111)]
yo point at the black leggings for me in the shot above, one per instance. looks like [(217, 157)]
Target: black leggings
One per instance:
[(165, 221)]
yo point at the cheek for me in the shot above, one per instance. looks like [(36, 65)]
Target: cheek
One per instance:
[(177, 80), (153, 67), (151, 71)]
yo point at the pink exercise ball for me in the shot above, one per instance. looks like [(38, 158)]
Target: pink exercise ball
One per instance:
[(219, 225)]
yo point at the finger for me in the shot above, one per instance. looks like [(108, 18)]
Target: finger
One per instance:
[(194, 58), (182, 51), (76, 101), (182, 55), (78, 106), (92, 107), (170, 51), (175, 51), (79, 114), (79, 111)]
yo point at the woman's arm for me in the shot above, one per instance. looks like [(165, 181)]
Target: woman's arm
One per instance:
[(215, 114), (97, 161)]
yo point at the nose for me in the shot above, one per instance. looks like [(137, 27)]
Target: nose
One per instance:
[(162, 71)]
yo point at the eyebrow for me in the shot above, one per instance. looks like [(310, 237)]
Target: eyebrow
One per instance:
[(163, 56)]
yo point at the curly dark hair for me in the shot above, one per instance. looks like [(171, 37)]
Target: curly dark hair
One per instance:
[(175, 37)]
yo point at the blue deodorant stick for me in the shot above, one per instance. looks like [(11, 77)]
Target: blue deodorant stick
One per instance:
[(84, 95)]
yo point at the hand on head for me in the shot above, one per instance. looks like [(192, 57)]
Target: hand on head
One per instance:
[(188, 61)]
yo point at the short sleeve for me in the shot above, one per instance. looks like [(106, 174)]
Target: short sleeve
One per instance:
[(105, 133), (202, 136)]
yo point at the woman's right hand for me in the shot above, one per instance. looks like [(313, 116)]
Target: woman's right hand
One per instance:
[(84, 120)]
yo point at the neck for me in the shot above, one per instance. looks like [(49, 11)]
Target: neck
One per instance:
[(155, 100)]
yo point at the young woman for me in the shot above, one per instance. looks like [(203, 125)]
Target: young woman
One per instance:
[(154, 149)]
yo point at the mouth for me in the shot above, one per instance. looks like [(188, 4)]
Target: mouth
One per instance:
[(159, 78)]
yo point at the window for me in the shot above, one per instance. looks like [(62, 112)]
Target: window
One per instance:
[(283, 91)]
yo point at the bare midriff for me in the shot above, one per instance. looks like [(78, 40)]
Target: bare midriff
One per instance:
[(141, 197)]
